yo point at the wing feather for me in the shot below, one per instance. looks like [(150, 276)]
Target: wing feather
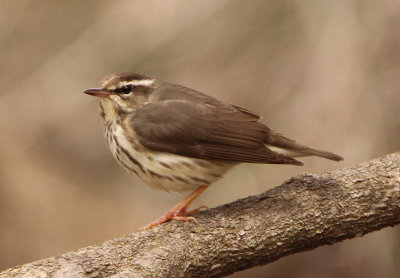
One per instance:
[(205, 131)]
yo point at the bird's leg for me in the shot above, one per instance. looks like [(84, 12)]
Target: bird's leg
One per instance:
[(179, 211), (193, 211)]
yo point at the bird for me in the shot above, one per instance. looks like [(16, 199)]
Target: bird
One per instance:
[(178, 139)]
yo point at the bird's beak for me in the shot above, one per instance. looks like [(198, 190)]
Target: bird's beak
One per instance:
[(98, 92)]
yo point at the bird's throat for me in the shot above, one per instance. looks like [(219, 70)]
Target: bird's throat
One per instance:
[(108, 110)]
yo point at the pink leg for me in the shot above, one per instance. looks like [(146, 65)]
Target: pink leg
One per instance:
[(179, 211)]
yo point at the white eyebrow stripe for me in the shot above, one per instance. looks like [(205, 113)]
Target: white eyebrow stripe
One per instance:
[(144, 82)]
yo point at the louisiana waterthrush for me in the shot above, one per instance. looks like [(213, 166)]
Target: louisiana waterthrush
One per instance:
[(175, 138)]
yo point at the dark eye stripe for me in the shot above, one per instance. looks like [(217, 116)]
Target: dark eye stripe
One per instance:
[(131, 88), (124, 90)]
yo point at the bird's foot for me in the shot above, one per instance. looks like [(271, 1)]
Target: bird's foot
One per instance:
[(193, 211), (180, 215), (179, 211)]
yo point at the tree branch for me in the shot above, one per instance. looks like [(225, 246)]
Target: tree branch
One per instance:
[(303, 213)]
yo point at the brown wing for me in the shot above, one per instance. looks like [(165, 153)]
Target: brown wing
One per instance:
[(205, 131), (248, 112)]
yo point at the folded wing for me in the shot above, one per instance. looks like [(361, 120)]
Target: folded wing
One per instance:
[(205, 131)]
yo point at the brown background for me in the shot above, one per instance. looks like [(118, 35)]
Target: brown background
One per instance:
[(326, 73)]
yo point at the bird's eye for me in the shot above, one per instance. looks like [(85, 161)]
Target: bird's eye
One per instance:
[(127, 89)]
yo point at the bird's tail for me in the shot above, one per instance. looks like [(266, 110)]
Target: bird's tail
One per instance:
[(278, 143)]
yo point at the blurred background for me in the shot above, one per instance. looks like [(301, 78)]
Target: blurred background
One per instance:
[(326, 73)]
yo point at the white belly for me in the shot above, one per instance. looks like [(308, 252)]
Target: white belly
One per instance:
[(163, 171)]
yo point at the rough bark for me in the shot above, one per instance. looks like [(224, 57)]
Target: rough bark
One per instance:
[(305, 212)]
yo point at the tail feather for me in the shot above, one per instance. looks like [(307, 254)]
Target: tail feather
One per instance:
[(325, 154), (283, 145)]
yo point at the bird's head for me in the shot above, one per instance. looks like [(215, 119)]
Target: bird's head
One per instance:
[(122, 93)]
